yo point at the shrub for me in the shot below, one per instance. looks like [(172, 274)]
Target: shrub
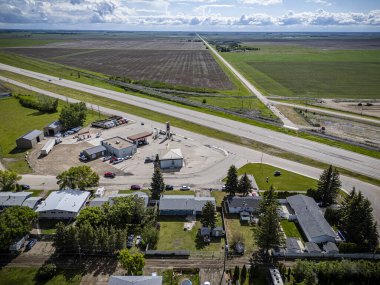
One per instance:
[(47, 271)]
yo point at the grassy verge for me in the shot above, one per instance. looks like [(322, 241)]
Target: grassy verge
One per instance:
[(65, 72), (23, 120), (162, 118), (27, 276), (287, 181)]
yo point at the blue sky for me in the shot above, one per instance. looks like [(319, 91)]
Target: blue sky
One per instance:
[(193, 15)]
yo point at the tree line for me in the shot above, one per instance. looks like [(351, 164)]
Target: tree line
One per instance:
[(41, 103), (233, 185)]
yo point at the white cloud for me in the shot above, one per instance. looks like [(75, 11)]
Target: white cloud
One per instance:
[(320, 2), (261, 2)]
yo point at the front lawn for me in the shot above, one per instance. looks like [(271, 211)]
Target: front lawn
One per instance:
[(233, 226), (27, 276), (287, 181), (174, 237), (179, 192)]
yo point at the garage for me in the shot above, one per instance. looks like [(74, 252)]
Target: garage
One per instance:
[(29, 140), (171, 159)]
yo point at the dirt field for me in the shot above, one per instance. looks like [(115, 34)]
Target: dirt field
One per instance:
[(352, 106), (193, 67)]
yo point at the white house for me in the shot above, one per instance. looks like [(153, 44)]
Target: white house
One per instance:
[(171, 158), (63, 204)]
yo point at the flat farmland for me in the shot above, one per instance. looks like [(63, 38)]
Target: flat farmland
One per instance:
[(299, 71), (194, 68)]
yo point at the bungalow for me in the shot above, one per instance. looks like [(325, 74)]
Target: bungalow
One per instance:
[(313, 224), (238, 204), (183, 205), (63, 204), (135, 280)]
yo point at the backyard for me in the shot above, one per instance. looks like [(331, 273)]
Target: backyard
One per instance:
[(233, 226), (291, 229), (287, 181), (174, 237)]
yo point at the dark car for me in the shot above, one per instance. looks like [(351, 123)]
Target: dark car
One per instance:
[(135, 187), (277, 173), (25, 187), (31, 243), (169, 187), (130, 241), (148, 159), (109, 175)]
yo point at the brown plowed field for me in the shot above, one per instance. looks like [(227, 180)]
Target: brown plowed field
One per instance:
[(195, 68)]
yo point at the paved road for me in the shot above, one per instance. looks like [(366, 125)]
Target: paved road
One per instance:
[(287, 123), (339, 157), (210, 178), (329, 112)]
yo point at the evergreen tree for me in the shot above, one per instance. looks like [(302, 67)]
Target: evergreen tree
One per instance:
[(157, 185), (269, 198), (236, 274), (208, 216), (267, 233), (244, 185), (251, 274), (232, 180), (243, 275), (328, 186)]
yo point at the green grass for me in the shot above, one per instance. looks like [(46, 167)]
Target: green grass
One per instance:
[(26, 276), (300, 71), (23, 42), (174, 237), (287, 181), (290, 229), (233, 225), (219, 196), (47, 226), (179, 192), (172, 278), (23, 120), (134, 191), (192, 127)]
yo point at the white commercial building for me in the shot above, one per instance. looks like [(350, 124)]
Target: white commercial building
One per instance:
[(119, 147), (63, 204), (171, 158)]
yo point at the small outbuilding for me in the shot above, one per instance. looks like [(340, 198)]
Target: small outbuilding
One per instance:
[(32, 202), (293, 245), (29, 140), (119, 147), (330, 247), (218, 232), (52, 129), (170, 159), (205, 233), (95, 152)]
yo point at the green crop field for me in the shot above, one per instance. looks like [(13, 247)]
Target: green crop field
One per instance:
[(310, 72)]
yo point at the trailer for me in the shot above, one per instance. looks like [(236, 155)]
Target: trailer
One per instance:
[(17, 245), (48, 147)]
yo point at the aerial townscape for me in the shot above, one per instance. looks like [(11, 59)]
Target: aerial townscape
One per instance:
[(189, 142)]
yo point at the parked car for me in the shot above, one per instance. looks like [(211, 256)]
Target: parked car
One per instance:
[(223, 187), (109, 175), (169, 187), (135, 187), (148, 160), (138, 240), (83, 158), (118, 160), (31, 243), (127, 157), (130, 241), (185, 187), (112, 159), (277, 173), (25, 186), (107, 158)]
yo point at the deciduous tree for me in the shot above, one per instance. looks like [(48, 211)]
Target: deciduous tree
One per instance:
[(73, 115), (8, 179), (133, 263), (78, 177)]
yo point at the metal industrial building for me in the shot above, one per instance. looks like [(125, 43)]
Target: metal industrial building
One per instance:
[(52, 129), (95, 152), (170, 159), (119, 147), (29, 140)]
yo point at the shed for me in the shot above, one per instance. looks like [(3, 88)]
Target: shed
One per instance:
[(170, 159), (218, 232), (293, 245), (330, 247), (95, 152), (29, 140), (52, 129), (312, 247), (205, 233), (119, 147)]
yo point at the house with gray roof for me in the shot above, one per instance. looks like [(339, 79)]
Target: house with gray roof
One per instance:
[(29, 140), (312, 247), (183, 204), (313, 224), (95, 152), (135, 280), (293, 245), (238, 204), (97, 202), (63, 204), (10, 199), (32, 202)]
